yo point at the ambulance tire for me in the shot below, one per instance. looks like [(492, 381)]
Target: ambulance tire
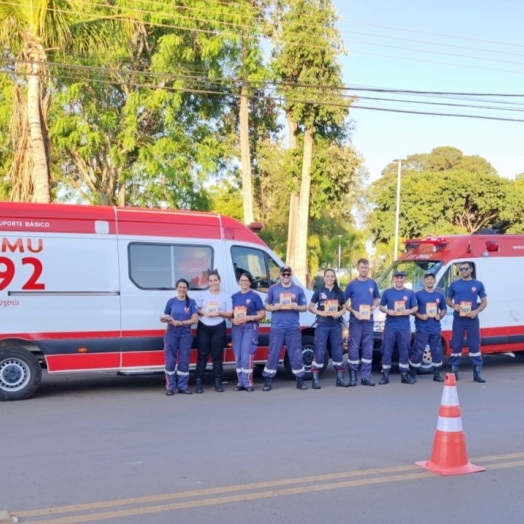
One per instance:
[(308, 352), (426, 366), (20, 373)]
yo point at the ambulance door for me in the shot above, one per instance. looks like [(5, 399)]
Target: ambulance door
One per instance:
[(149, 272)]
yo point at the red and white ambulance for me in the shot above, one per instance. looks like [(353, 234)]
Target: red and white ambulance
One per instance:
[(498, 262), (82, 287)]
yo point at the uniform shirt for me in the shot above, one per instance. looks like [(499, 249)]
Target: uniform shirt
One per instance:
[(466, 291), (222, 299), (285, 318), (429, 297), (180, 310), (392, 296), (250, 300), (319, 299), (361, 292)]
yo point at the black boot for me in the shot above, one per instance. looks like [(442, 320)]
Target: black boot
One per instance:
[(352, 378), (436, 374), (407, 378), (367, 381), (199, 386), (316, 382), (300, 383), (341, 383), (455, 371), (385, 378), (477, 375), (413, 373), (218, 385), (267, 384)]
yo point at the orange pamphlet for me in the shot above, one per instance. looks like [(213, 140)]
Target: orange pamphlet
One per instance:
[(211, 307), (431, 309), (331, 306), (239, 312), (365, 311), (400, 306), (285, 300), (465, 309)]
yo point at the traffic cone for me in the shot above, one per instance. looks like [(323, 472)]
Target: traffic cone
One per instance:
[(449, 455)]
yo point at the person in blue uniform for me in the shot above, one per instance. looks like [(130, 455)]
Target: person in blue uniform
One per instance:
[(180, 314), (362, 298), (248, 311), (468, 298), (327, 304), (285, 301), (398, 303), (431, 310)]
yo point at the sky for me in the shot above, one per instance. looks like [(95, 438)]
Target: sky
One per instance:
[(461, 46)]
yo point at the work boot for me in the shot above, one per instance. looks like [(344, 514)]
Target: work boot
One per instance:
[(267, 384), (218, 385), (170, 392), (477, 374), (184, 391), (198, 388), (316, 382), (300, 383), (407, 378), (413, 373), (385, 378), (352, 378), (455, 371), (341, 383), (366, 381), (436, 375)]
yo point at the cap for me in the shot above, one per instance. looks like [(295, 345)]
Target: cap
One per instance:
[(429, 274), (399, 274), (283, 269)]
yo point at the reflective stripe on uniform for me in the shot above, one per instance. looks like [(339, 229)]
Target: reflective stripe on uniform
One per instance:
[(270, 371), (182, 373), (317, 365), (456, 355), (366, 361), (475, 354), (170, 372), (403, 366), (298, 371), (338, 363), (355, 362)]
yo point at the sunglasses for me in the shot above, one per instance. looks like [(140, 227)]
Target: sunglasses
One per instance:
[(464, 268), (286, 274)]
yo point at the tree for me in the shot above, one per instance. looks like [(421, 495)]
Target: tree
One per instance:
[(310, 79)]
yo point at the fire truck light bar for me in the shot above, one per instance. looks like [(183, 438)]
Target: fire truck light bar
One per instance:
[(438, 242)]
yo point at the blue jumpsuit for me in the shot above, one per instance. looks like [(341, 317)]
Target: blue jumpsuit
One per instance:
[(177, 342), (285, 330), (428, 331), (328, 329), (361, 293), (466, 291), (397, 329), (245, 336)]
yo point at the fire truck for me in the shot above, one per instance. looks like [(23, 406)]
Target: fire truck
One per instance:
[(498, 262), (82, 287)]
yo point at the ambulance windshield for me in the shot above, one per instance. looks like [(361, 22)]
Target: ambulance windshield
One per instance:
[(414, 270)]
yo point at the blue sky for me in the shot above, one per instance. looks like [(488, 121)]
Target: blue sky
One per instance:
[(474, 46)]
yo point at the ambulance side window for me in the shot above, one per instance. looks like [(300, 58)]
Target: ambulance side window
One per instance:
[(159, 266), (257, 262), (444, 282), (456, 272)]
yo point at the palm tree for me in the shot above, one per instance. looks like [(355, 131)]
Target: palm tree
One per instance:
[(31, 31)]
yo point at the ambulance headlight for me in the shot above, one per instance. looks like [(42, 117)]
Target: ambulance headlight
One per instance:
[(378, 327)]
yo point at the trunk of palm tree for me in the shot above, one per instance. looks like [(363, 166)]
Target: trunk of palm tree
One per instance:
[(247, 185), (293, 200), (301, 269), (37, 125)]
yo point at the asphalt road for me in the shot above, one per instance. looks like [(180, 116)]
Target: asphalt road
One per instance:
[(102, 448)]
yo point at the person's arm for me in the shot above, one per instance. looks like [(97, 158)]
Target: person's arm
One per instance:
[(228, 313), (482, 306)]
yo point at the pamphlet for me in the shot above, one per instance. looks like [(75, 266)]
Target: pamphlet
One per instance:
[(431, 309), (465, 309), (211, 307), (285, 300), (400, 306), (239, 312), (331, 306), (365, 311)]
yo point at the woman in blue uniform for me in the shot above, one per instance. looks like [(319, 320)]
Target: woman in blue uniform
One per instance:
[(180, 314), (327, 304), (248, 310)]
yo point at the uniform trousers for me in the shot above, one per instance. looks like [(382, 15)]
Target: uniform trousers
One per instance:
[(401, 337), (360, 337), (245, 341), (471, 328), (331, 331), (422, 339), (177, 346), (292, 339)]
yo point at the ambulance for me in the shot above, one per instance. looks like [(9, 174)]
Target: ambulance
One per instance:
[(82, 287), (498, 262)]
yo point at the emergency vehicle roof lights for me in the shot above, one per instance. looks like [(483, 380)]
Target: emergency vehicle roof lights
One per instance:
[(438, 242), (256, 227), (492, 246)]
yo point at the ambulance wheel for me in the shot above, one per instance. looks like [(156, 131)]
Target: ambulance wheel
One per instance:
[(308, 353), (426, 366), (20, 373)]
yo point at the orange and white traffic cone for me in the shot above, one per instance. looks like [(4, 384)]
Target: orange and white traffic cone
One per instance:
[(449, 455)]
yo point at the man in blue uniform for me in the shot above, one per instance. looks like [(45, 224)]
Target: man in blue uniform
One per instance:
[(431, 310), (467, 297), (398, 303), (285, 301), (363, 296)]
